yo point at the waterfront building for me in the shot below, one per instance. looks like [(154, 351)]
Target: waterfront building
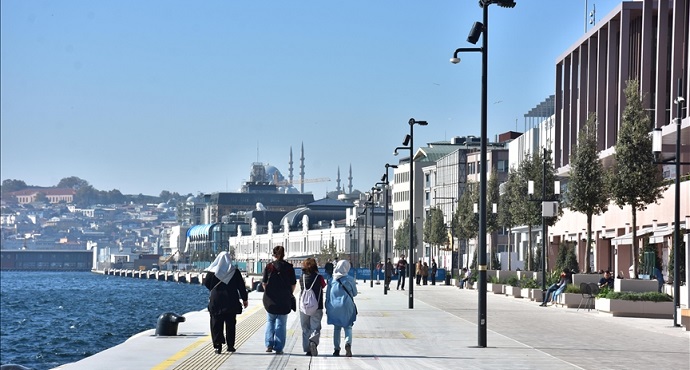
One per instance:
[(647, 41)]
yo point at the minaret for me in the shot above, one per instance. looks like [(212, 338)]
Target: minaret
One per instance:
[(337, 187), (301, 170), (290, 168), (349, 186)]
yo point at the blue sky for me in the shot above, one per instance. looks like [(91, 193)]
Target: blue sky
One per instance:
[(144, 96)]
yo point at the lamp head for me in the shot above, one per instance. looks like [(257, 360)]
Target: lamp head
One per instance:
[(475, 32), (455, 60), (384, 178), (679, 100), (406, 142), (501, 3), (391, 166)]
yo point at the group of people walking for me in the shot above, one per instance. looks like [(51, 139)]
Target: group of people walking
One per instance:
[(279, 281)]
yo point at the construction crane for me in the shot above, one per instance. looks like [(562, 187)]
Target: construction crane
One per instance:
[(298, 181)]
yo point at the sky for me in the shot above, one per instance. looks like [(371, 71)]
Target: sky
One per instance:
[(183, 96)]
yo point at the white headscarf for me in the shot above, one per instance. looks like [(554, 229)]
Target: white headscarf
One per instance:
[(222, 267), (341, 269)]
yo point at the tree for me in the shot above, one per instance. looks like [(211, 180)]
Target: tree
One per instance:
[(635, 180), (435, 232), (526, 212), (466, 225), (587, 191), (41, 197), (72, 182), (402, 237), (328, 252), (492, 225), (9, 186), (505, 214)]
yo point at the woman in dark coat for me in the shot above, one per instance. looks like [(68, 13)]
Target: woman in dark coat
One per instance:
[(227, 288)]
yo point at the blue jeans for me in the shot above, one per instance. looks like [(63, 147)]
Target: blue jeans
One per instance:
[(336, 336), (549, 292), (276, 331)]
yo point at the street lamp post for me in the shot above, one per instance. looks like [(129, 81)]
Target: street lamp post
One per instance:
[(385, 181), (656, 148), (477, 30), (409, 140), (548, 209), (371, 252)]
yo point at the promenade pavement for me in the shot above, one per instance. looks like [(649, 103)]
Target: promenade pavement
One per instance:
[(440, 332)]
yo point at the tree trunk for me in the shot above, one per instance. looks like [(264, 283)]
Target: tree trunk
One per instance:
[(588, 261), (530, 263), (635, 247)]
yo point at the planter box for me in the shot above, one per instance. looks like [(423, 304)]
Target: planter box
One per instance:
[(537, 295), (514, 291), (618, 307), (526, 293), (494, 288), (635, 285), (586, 278), (505, 275), (572, 300)]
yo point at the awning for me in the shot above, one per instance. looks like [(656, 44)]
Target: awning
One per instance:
[(626, 239), (199, 231), (664, 232)]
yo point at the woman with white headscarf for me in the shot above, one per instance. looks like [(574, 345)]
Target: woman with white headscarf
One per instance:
[(340, 306), (227, 287)]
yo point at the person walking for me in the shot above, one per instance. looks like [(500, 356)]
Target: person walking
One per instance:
[(279, 286), (341, 311), (418, 272), (402, 269), (425, 273), (226, 287), (434, 269), (388, 274), (311, 324)]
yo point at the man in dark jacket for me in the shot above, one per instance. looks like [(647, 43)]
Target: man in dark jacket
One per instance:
[(279, 286), (402, 269)]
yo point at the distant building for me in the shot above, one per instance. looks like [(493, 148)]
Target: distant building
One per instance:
[(54, 195)]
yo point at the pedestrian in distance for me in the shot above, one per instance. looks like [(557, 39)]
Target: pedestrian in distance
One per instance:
[(606, 281), (341, 310), (311, 323), (418, 272), (656, 273), (402, 270), (466, 275), (434, 269), (379, 266), (226, 287), (388, 274), (425, 273), (279, 286)]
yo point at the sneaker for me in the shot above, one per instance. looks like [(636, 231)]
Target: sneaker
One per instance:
[(312, 349), (336, 353), (348, 350), (269, 349), (219, 350)]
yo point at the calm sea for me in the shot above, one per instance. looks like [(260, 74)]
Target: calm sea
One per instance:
[(51, 318)]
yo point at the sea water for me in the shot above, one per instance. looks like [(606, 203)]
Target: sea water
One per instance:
[(51, 318)]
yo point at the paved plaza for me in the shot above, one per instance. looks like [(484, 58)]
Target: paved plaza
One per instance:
[(439, 333)]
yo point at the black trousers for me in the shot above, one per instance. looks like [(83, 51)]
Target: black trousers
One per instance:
[(401, 281), (218, 322)]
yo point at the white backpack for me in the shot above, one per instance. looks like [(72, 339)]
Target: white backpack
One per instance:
[(308, 303)]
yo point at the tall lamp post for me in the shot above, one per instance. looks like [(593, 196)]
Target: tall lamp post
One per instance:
[(473, 37), (385, 182), (371, 252), (409, 140), (656, 148), (548, 209)]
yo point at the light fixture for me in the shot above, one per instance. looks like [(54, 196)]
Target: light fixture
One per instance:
[(475, 32), (406, 142)]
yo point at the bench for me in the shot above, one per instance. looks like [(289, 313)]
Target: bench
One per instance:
[(685, 318)]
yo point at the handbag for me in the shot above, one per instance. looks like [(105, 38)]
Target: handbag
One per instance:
[(351, 297)]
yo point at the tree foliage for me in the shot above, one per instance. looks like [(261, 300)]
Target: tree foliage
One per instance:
[(587, 191), (435, 232), (402, 237), (72, 182), (636, 181), (9, 186)]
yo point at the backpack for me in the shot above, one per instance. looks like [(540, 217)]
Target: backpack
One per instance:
[(308, 303)]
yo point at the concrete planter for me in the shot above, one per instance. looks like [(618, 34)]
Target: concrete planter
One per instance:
[(635, 285), (619, 307), (526, 293), (495, 288), (514, 291), (537, 295), (572, 300)]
